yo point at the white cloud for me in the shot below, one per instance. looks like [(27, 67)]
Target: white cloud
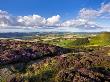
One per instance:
[(31, 21), (53, 20), (102, 12), (105, 8), (3, 13), (81, 24), (88, 13), (6, 20), (73, 23), (37, 21)]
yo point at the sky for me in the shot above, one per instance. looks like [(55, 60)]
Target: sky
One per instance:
[(55, 15)]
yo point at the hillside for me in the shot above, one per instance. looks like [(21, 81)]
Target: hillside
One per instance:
[(39, 62), (101, 39)]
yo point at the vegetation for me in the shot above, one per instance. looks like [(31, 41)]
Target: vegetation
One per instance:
[(81, 41), (80, 61), (101, 39), (23, 52)]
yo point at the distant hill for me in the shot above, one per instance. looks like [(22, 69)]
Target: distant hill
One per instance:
[(101, 39)]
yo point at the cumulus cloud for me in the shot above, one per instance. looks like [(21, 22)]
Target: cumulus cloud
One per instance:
[(53, 20), (86, 18), (81, 24), (88, 13), (73, 23), (6, 20), (105, 8), (102, 12), (35, 21), (31, 21)]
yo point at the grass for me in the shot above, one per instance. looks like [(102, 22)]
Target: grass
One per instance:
[(65, 43), (102, 39), (61, 43)]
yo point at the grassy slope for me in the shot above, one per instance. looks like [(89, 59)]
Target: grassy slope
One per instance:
[(101, 39)]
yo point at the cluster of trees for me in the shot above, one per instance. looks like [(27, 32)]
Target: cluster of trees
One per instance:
[(81, 41)]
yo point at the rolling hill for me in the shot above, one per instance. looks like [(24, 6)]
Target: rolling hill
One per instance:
[(101, 39)]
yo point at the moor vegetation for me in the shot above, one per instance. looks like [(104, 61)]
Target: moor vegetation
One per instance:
[(22, 61), (17, 52)]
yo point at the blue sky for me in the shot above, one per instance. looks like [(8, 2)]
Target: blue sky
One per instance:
[(47, 8), (55, 13)]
